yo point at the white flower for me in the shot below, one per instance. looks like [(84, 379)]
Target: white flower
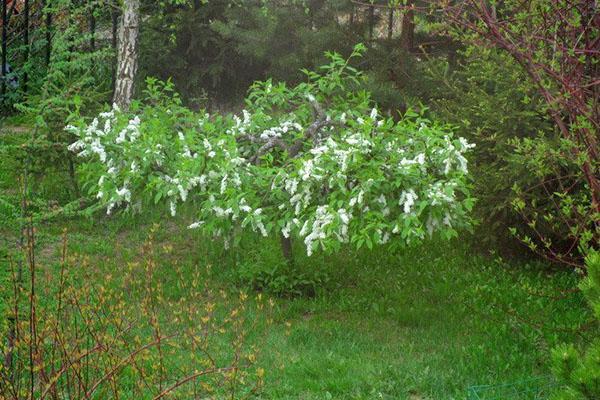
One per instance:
[(110, 208), (407, 198), (77, 145), (373, 113), (285, 231), (124, 193), (246, 117), (465, 145), (121, 138), (219, 211), (224, 184), (322, 219), (182, 192), (291, 185), (344, 216), (355, 200), (447, 220), (196, 225), (261, 228), (419, 159), (307, 169), (431, 224)]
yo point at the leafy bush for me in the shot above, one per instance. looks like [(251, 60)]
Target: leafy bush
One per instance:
[(566, 194), (527, 180), (316, 161), (281, 278), (489, 99), (580, 371)]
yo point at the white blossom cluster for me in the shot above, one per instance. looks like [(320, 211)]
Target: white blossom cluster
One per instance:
[(359, 178)]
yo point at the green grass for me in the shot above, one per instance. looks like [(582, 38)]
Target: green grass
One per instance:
[(427, 322), (424, 323)]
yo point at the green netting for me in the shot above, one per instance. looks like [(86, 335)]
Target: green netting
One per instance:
[(529, 389)]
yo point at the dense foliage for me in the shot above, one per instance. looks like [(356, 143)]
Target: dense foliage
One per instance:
[(316, 161), (416, 52), (554, 43), (354, 154), (580, 371)]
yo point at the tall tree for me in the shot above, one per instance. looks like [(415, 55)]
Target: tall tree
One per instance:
[(26, 41), (48, 29), (127, 53), (407, 36), (4, 38), (390, 22)]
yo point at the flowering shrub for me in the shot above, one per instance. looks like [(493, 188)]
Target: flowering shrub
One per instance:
[(317, 161)]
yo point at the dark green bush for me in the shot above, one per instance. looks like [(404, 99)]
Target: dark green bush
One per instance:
[(522, 166), (281, 279)]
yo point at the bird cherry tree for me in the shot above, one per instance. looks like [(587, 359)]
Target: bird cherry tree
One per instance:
[(316, 162)]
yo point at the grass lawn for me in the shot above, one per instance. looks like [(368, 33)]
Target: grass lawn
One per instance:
[(424, 323), (427, 322)]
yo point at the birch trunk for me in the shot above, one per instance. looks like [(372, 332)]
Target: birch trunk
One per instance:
[(127, 53)]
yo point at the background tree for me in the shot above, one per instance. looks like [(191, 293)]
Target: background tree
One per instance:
[(127, 53)]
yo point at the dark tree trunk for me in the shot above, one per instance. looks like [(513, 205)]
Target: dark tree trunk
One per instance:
[(390, 23), (286, 249), (48, 35), (26, 42), (4, 28), (127, 54), (407, 37), (92, 29), (371, 21)]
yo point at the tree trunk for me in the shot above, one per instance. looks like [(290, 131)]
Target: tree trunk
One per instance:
[(26, 43), (127, 53), (4, 33), (390, 23), (286, 249), (371, 21), (92, 29), (407, 37), (48, 30)]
